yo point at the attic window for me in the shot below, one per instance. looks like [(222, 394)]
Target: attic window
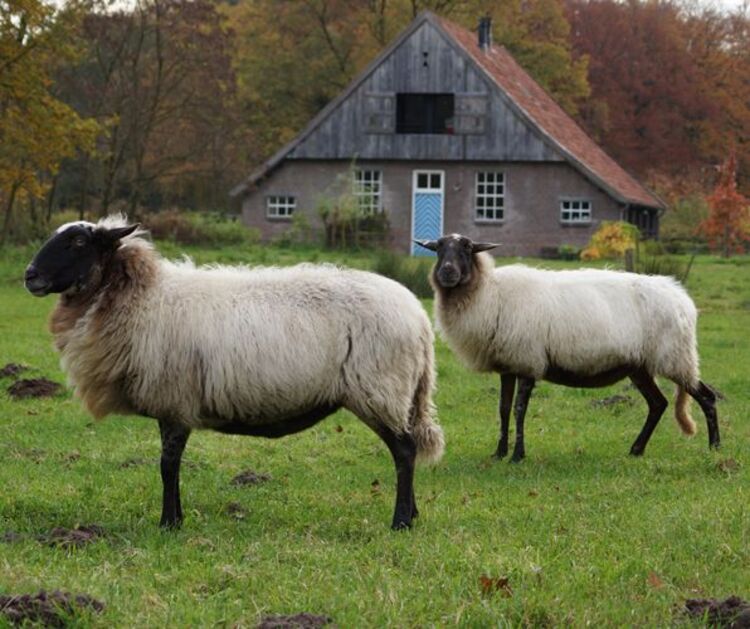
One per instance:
[(425, 113)]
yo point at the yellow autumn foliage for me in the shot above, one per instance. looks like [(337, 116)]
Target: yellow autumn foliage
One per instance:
[(612, 240)]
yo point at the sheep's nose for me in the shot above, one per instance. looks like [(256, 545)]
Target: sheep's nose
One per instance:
[(34, 282)]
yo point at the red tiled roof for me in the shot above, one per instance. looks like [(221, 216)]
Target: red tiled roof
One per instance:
[(549, 117)]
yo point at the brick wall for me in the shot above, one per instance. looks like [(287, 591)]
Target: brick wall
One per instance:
[(532, 202)]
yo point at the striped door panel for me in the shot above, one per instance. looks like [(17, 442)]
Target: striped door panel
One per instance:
[(428, 218)]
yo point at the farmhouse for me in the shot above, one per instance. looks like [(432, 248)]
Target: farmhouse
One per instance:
[(445, 132)]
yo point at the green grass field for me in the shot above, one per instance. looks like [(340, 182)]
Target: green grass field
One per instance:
[(584, 533)]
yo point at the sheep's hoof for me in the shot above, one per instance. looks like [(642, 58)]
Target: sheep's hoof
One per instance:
[(636, 451), (400, 525), (500, 454), (517, 458)]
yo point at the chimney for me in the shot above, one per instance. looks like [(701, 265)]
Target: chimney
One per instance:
[(485, 32)]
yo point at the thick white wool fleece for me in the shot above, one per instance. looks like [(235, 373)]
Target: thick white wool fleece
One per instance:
[(523, 320)]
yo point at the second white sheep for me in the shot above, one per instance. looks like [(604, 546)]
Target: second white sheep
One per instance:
[(583, 328)]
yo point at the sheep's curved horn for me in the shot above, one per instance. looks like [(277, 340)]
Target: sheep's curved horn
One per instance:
[(120, 232), (483, 246), (427, 244)]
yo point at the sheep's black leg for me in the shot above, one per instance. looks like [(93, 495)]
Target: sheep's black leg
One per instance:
[(525, 387), (173, 440), (404, 452), (657, 404), (706, 398), (507, 388)]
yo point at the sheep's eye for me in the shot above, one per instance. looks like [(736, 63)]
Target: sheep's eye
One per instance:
[(79, 241)]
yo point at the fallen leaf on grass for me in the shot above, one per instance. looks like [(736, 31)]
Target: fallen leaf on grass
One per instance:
[(375, 487), (490, 585), (533, 493), (339, 428), (654, 580)]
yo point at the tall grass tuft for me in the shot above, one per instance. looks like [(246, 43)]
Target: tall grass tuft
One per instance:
[(411, 272)]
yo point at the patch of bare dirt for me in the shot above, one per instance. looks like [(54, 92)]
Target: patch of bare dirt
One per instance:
[(731, 613), (235, 510), (12, 370), (136, 461), (49, 609), (613, 400), (9, 537), (249, 477), (728, 466), (36, 387), (62, 537), (297, 621)]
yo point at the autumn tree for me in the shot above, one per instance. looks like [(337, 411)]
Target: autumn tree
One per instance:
[(159, 79), (37, 130), (727, 227), (670, 83)]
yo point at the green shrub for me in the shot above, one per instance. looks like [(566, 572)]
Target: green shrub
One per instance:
[(680, 222), (411, 272), (299, 232), (193, 228), (568, 252)]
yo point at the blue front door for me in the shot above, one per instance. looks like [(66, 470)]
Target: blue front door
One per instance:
[(427, 208)]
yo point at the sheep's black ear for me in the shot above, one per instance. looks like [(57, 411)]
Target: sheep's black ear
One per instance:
[(117, 233), (483, 246), (432, 245)]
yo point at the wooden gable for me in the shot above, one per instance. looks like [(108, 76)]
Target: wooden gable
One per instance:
[(362, 124)]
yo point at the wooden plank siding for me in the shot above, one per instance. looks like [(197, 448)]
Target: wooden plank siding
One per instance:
[(347, 134)]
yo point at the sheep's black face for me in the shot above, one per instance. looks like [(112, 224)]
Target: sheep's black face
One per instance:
[(455, 258), (66, 261)]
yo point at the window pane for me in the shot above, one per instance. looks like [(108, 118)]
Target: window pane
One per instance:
[(422, 180), (435, 182), (575, 211), (488, 199)]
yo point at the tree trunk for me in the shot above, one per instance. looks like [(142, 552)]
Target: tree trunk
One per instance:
[(9, 212), (51, 198)]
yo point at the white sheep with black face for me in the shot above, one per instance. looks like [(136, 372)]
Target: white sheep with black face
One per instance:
[(255, 351), (582, 328)]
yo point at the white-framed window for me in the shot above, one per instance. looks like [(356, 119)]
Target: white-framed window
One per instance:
[(367, 188), (573, 211), (489, 196), (280, 206)]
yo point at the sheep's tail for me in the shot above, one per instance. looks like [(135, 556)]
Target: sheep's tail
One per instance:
[(426, 432), (682, 411)]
